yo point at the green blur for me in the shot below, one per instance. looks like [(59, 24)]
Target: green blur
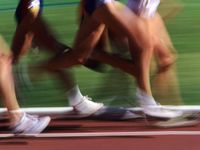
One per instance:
[(184, 30)]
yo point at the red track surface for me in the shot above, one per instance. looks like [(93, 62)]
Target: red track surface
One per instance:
[(165, 142)]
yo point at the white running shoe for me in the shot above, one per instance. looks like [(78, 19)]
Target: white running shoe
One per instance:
[(87, 106), (30, 124), (151, 108), (160, 112)]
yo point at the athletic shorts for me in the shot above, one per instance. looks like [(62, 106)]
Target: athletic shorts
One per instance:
[(28, 6), (145, 8), (91, 5)]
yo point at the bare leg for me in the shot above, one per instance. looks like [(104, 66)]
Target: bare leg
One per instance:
[(165, 85), (164, 49), (8, 89), (37, 29), (136, 29), (45, 39), (115, 61), (22, 38), (85, 41), (116, 21), (20, 122)]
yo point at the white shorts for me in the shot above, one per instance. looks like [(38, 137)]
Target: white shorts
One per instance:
[(144, 8)]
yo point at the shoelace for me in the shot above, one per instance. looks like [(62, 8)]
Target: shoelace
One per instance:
[(32, 117), (87, 98)]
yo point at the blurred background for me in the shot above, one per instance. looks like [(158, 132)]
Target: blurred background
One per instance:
[(112, 87)]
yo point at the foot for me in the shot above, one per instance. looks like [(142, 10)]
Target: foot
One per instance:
[(30, 124), (153, 109), (160, 112), (87, 107)]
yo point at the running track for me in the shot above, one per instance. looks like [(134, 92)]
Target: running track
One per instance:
[(148, 140)]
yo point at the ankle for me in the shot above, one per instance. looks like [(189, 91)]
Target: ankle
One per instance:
[(144, 99), (16, 116), (75, 96)]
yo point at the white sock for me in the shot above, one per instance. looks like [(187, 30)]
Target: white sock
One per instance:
[(144, 99), (74, 96)]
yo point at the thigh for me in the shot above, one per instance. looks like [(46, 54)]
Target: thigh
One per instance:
[(87, 36), (22, 39), (25, 20), (125, 22), (159, 29), (45, 38)]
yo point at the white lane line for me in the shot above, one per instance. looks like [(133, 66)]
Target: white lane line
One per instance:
[(106, 134), (69, 110)]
